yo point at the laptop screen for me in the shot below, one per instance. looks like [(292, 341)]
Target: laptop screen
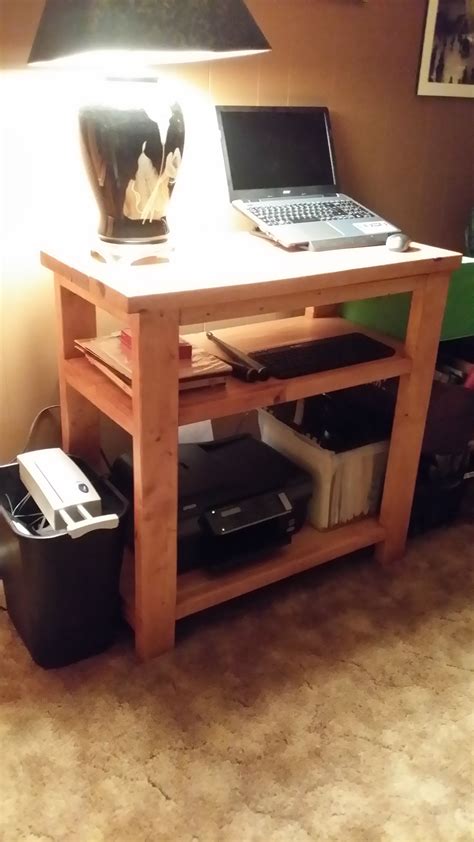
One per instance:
[(276, 151)]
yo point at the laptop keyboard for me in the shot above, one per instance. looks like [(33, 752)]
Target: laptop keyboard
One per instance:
[(321, 354), (284, 213)]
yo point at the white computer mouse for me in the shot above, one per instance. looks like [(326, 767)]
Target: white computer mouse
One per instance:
[(398, 242)]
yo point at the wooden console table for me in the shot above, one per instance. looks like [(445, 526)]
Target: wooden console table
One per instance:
[(235, 277)]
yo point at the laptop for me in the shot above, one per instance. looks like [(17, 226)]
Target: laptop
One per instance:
[(281, 174)]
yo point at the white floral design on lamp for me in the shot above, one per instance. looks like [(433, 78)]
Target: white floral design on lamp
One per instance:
[(148, 194)]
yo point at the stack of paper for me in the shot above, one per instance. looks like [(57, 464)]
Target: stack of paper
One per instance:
[(114, 358)]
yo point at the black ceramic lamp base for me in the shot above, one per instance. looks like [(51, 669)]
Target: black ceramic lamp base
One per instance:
[(132, 148)]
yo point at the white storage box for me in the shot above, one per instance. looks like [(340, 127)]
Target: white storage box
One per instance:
[(347, 485)]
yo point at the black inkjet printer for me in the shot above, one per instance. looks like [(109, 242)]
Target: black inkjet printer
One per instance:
[(238, 499)]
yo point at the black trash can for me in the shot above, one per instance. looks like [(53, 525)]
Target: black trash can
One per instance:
[(62, 594)]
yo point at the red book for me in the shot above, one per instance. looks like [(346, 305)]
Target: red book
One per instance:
[(185, 348)]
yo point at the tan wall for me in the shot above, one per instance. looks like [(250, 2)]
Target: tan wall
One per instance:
[(408, 157)]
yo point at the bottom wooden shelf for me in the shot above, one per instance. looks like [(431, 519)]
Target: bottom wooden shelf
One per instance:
[(198, 589)]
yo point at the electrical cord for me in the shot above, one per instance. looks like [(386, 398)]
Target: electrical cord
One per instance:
[(34, 423)]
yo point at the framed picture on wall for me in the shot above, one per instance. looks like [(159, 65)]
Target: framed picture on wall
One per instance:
[(447, 56)]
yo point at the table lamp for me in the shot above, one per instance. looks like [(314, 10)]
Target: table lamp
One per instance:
[(133, 143)]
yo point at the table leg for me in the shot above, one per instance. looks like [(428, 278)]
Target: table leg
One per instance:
[(76, 319), (155, 460), (421, 344)]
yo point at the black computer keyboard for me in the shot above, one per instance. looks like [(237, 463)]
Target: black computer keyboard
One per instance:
[(282, 213), (321, 355)]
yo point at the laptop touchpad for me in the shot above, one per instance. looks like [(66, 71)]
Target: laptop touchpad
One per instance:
[(317, 230)]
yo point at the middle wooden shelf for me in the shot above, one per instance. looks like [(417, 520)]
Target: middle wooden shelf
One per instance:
[(237, 396)]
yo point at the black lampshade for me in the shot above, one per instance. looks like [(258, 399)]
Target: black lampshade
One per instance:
[(165, 31)]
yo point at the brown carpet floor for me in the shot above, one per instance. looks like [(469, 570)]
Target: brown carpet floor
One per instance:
[(333, 707)]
